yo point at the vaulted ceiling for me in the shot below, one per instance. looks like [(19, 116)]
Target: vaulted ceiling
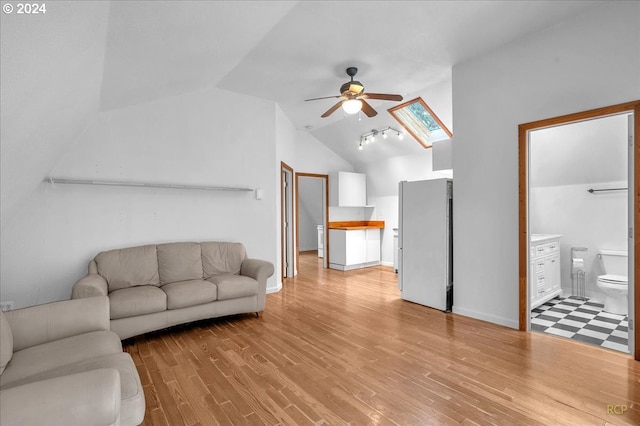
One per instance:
[(61, 69)]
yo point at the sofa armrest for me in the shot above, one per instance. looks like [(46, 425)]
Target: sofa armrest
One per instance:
[(87, 398), (39, 324), (90, 286), (259, 270)]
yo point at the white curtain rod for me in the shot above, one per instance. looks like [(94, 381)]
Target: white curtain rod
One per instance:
[(53, 181)]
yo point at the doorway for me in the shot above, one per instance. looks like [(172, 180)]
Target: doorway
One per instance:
[(312, 215), (578, 205), (537, 248)]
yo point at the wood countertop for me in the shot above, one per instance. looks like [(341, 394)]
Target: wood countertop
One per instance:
[(351, 225)]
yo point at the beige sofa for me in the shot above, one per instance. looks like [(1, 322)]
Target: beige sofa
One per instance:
[(157, 286), (60, 364)]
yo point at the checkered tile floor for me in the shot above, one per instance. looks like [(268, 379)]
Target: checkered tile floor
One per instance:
[(582, 320)]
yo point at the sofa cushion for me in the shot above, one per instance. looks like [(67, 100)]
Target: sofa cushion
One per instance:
[(222, 258), (129, 267), (86, 398), (134, 301), (189, 293), (6, 342), (48, 356), (179, 262), (234, 286), (131, 393)]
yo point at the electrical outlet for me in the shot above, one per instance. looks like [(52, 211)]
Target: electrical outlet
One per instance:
[(6, 306)]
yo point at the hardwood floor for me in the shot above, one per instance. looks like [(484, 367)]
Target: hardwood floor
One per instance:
[(342, 348)]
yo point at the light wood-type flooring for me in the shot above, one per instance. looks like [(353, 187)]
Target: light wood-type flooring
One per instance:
[(338, 348)]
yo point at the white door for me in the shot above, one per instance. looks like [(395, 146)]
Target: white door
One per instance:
[(287, 214), (631, 222), (424, 242)]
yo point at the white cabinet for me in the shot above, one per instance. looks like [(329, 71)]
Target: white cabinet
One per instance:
[(353, 249), (348, 189), (372, 249), (544, 275)]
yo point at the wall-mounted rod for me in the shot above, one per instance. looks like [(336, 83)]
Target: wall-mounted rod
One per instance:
[(53, 181), (606, 189)]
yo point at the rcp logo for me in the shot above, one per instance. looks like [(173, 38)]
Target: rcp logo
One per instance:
[(616, 409)]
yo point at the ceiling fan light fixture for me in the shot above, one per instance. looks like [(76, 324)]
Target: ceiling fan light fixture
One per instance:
[(352, 106)]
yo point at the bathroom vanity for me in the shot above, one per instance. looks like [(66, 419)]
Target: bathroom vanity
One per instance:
[(544, 278)]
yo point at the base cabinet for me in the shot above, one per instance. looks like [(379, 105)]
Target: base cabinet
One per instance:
[(353, 249), (544, 278)]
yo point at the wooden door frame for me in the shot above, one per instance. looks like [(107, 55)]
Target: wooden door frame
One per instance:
[(523, 162), (326, 216), (284, 167)]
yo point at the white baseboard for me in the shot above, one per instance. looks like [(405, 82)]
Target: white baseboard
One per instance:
[(486, 317), (275, 289)]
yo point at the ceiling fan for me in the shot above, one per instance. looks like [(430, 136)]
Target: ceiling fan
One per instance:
[(352, 97)]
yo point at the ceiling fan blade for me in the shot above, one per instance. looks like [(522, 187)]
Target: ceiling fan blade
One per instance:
[(325, 97), (367, 109), (383, 96), (331, 110)]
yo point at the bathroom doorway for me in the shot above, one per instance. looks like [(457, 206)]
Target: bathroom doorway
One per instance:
[(577, 207), (312, 213)]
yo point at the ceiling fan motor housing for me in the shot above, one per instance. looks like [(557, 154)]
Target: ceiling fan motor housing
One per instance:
[(347, 87), (352, 87)]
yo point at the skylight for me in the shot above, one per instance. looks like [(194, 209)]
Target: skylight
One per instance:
[(420, 122)]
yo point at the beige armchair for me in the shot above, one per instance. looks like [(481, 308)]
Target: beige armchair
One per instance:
[(60, 364)]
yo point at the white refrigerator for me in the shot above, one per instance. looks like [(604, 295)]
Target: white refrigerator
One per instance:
[(425, 243)]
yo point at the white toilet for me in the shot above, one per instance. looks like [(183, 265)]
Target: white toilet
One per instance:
[(614, 283)]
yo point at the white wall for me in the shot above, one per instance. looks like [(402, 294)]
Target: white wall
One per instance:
[(46, 102), (595, 221), (576, 65), (310, 211), (199, 138)]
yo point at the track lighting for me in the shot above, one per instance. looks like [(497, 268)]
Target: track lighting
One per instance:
[(371, 136)]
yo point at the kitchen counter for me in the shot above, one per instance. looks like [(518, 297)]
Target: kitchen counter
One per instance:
[(355, 244), (357, 224)]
